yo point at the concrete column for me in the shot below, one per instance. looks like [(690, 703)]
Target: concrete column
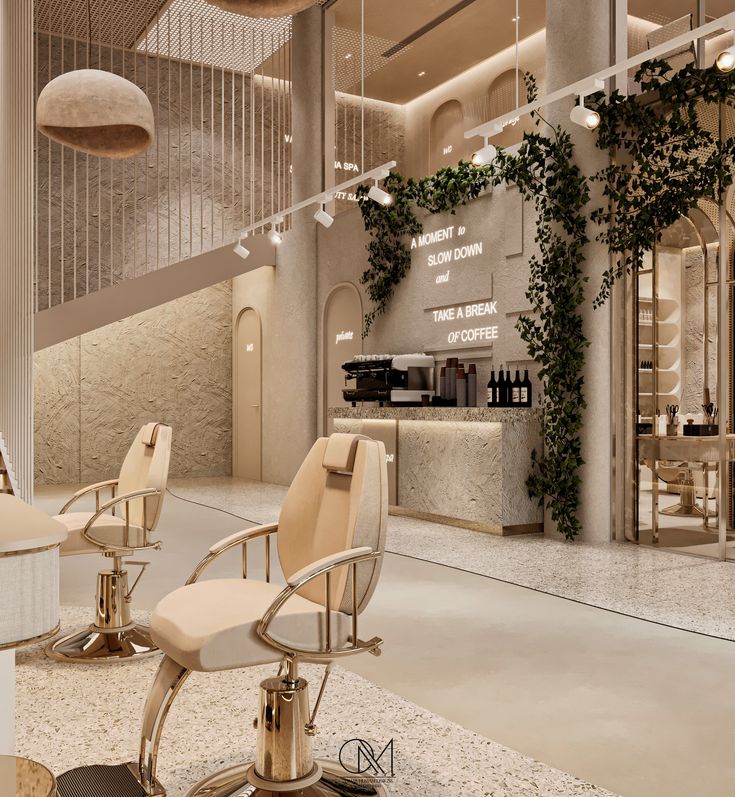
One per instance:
[(290, 345), (578, 44)]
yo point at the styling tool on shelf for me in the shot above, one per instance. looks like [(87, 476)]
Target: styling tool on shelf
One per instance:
[(672, 420), (709, 426)]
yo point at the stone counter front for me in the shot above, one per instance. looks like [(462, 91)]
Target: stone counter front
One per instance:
[(461, 466)]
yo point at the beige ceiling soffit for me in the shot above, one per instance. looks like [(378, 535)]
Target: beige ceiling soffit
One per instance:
[(74, 318)]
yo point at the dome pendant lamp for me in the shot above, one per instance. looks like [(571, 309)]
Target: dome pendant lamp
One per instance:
[(96, 112), (263, 8)]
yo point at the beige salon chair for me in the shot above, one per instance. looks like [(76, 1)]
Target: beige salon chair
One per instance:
[(137, 495), (330, 537)]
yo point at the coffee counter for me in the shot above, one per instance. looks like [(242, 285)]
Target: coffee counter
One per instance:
[(463, 466)]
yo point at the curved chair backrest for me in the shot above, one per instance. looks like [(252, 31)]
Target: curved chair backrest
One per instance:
[(338, 500), (146, 465)]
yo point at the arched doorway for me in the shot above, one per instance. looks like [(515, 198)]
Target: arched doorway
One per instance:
[(247, 429)]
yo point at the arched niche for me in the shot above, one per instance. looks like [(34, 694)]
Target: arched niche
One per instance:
[(501, 99), (341, 341), (446, 135)]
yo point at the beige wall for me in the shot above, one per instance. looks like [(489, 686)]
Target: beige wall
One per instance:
[(408, 325), (292, 368), (171, 364), (470, 89)]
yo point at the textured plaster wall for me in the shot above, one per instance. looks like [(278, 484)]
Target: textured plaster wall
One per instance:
[(171, 364)]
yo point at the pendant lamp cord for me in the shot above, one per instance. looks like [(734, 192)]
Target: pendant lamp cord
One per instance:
[(89, 34), (518, 22), (362, 85)]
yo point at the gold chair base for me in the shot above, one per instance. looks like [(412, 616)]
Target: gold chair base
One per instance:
[(335, 782), (93, 645), (680, 510)]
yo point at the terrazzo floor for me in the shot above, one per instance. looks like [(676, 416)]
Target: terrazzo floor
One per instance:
[(642, 710), (91, 714), (685, 592)]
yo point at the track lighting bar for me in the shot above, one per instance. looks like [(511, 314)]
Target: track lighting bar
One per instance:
[(488, 129), (378, 173)]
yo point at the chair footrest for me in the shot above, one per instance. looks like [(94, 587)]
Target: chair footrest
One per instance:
[(118, 780)]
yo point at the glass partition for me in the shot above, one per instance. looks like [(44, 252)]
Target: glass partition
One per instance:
[(681, 366)]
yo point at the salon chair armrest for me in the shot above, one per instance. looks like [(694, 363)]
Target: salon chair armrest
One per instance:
[(238, 538), (326, 563), (323, 567), (243, 536), (92, 488), (124, 498)]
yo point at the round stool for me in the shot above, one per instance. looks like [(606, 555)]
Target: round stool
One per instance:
[(21, 777)]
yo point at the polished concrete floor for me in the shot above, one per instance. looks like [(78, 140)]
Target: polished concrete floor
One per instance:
[(638, 708)]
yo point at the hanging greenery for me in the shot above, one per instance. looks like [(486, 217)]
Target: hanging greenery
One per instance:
[(545, 174), (665, 159)]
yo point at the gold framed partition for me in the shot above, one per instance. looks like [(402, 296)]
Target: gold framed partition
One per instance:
[(677, 331)]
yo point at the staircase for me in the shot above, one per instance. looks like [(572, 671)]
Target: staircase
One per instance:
[(94, 310)]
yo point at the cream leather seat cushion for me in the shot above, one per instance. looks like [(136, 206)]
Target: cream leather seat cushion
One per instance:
[(211, 625), (108, 529)]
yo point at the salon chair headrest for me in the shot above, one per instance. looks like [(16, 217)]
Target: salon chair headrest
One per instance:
[(150, 432), (339, 455)]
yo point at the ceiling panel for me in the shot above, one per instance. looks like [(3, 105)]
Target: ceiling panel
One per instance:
[(114, 22)]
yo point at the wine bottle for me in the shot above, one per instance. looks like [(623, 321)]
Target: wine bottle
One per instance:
[(526, 388), (508, 389), (492, 390), (515, 399), (502, 392)]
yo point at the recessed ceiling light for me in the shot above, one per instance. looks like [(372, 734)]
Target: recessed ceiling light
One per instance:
[(515, 19), (421, 74), (348, 56)]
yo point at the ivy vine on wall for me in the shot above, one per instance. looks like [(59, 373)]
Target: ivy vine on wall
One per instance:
[(665, 159), (544, 172)]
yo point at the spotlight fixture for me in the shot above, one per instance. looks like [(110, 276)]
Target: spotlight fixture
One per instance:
[(241, 251), (380, 196), (323, 217), (275, 236), (583, 116), (422, 73), (725, 61), (485, 155)]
